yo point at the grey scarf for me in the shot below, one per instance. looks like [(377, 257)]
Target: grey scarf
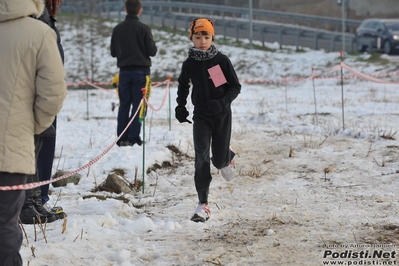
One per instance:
[(201, 55)]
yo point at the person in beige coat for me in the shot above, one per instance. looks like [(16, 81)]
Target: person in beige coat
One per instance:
[(32, 90)]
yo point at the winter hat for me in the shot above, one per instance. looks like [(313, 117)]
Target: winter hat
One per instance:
[(201, 24)]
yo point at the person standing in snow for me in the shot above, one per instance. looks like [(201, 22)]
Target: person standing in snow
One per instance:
[(132, 44), (35, 200), (214, 87), (32, 92)]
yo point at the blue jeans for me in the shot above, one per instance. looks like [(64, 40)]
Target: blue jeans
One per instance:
[(130, 84)]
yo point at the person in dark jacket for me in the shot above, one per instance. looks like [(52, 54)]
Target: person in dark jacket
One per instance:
[(214, 87), (132, 44), (36, 199)]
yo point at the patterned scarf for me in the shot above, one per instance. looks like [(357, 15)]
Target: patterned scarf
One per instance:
[(201, 55)]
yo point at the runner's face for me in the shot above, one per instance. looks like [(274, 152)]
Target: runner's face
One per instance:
[(201, 41)]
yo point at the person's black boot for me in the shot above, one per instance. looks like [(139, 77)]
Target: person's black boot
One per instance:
[(43, 212), (37, 203), (29, 215)]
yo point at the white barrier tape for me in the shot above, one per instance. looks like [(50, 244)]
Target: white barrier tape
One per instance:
[(41, 183), (364, 76), (163, 99), (313, 76), (286, 80), (250, 81), (100, 88), (82, 83), (319, 76), (90, 163), (95, 85)]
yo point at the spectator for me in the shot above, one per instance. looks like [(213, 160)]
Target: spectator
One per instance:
[(33, 90), (132, 44), (36, 199)]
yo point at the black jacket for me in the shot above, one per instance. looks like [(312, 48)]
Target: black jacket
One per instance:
[(50, 20), (132, 44), (203, 88)]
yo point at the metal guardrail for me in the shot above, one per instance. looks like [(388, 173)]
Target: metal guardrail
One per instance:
[(280, 32), (320, 22), (302, 30)]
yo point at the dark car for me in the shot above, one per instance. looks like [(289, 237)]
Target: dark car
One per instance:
[(378, 34)]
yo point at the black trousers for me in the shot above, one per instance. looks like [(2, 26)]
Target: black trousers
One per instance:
[(211, 133), (45, 161), (34, 194), (10, 232)]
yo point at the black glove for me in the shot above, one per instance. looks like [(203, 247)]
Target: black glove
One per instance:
[(181, 114), (215, 106)]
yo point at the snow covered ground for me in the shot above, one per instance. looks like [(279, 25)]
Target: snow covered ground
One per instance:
[(306, 185)]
